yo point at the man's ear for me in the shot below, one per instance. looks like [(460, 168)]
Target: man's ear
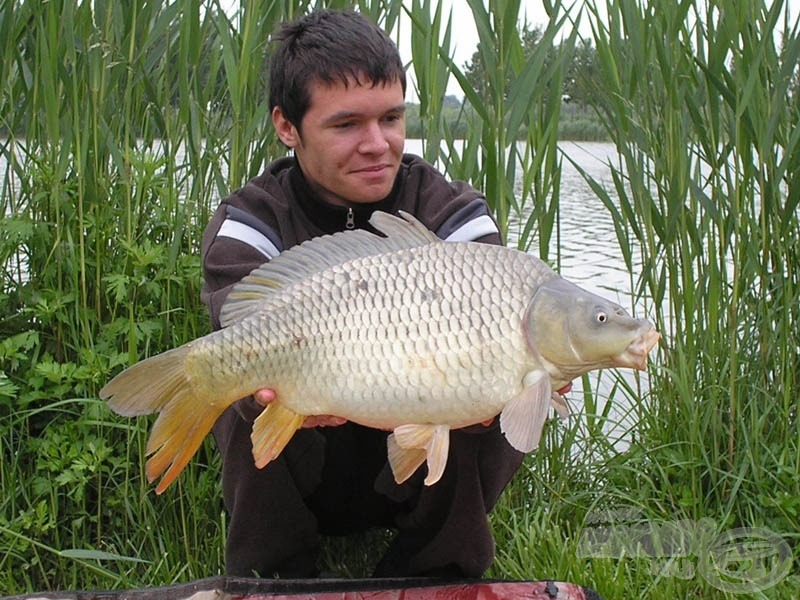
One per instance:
[(287, 132)]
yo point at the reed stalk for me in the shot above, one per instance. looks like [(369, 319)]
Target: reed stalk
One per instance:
[(521, 93), (700, 103)]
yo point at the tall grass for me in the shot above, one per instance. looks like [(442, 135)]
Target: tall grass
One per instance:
[(701, 106), (124, 123), (701, 101), (119, 139)]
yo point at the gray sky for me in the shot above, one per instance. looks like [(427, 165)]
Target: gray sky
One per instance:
[(465, 36)]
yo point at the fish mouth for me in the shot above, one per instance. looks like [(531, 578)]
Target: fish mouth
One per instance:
[(635, 355)]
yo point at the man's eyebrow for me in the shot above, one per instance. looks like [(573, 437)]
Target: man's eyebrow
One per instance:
[(344, 115)]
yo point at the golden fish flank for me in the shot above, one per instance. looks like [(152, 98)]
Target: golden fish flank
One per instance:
[(402, 332)]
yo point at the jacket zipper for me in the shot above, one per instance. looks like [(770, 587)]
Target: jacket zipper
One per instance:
[(351, 219)]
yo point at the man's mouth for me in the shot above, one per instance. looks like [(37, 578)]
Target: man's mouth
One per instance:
[(372, 169)]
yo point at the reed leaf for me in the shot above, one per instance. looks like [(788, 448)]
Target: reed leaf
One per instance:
[(700, 108)]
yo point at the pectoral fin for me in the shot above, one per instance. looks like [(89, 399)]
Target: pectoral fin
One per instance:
[(410, 445), (523, 417), (272, 430)]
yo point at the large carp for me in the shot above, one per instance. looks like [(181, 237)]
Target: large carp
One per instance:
[(403, 332)]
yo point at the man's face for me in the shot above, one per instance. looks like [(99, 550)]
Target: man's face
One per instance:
[(351, 140)]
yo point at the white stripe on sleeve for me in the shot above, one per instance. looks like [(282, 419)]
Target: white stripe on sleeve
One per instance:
[(472, 230), (246, 234)]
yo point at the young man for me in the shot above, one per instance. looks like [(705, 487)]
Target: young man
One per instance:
[(337, 98)]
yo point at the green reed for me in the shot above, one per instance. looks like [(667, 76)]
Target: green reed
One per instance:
[(522, 94), (701, 102), (123, 124)]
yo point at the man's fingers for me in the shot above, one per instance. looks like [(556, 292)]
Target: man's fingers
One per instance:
[(323, 421), (265, 396)]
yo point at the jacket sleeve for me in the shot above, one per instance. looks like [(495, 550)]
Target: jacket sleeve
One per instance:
[(234, 244), (470, 219), (454, 210)]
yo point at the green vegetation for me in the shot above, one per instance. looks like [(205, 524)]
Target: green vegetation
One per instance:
[(127, 121)]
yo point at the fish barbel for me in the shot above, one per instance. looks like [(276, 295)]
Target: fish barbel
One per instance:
[(403, 332)]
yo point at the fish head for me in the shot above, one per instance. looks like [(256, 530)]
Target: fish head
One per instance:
[(577, 331)]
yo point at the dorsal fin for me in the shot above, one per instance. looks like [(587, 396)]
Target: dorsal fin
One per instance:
[(404, 226), (318, 254)]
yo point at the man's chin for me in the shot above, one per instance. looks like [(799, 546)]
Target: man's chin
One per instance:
[(371, 196)]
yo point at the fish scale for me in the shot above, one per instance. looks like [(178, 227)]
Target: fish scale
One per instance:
[(472, 338), (407, 333)]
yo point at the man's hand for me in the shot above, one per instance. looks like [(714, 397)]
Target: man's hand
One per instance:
[(265, 396), (566, 389)]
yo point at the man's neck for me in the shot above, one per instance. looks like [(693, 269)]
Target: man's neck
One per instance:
[(329, 217)]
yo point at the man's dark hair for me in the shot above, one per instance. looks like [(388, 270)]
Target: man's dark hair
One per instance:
[(329, 46)]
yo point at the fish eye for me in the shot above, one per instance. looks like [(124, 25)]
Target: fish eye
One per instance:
[(601, 317)]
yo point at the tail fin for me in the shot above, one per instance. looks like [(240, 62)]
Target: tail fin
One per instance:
[(160, 384)]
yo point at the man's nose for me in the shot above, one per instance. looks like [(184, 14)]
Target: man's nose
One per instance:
[(374, 139)]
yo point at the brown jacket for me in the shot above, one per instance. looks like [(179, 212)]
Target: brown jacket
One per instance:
[(335, 480)]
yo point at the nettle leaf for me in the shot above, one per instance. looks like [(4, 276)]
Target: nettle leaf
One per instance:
[(8, 389), (16, 230), (56, 372), (16, 349), (67, 477), (118, 286)]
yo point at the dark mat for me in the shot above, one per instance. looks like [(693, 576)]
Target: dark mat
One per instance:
[(232, 588)]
